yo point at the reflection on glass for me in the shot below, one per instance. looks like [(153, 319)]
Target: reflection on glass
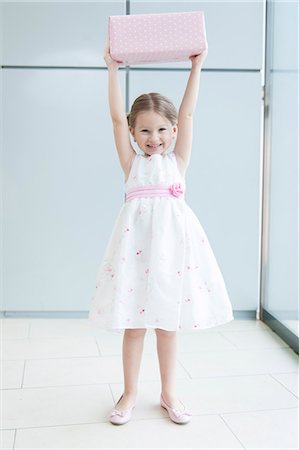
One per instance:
[(281, 265)]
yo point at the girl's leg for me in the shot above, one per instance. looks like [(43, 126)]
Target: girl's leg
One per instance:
[(133, 341), (167, 348)]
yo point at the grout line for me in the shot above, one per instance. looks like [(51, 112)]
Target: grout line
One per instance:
[(227, 426), (153, 353), (29, 329), (98, 347), (70, 336), (110, 388), (249, 411), (23, 374), (184, 368), (272, 375), (146, 419), (56, 358), (153, 380), (14, 438), (235, 346), (54, 386), (239, 349), (90, 423)]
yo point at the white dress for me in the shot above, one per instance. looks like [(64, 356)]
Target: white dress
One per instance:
[(158, 269)]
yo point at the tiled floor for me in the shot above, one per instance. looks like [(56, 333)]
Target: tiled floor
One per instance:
[(61, 379)]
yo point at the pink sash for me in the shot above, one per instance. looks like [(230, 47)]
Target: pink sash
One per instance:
[(155, 190)]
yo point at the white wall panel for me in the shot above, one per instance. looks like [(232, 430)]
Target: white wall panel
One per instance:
[(73, 34), (285, 39), (1, 156), (63, 186), (223, 176), (234, 30), (57, 34)]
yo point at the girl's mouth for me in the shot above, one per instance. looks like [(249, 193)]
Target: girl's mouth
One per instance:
[(154, 147)]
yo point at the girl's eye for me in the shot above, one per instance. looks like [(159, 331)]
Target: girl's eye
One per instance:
[(162, 129), (143, 131)]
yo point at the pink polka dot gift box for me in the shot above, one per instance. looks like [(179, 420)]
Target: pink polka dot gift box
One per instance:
[(156, 38)]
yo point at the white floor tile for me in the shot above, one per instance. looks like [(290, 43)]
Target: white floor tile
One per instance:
[(111, 343), (75, 371), (48, 348), (148, 406), (239, 362), (12, 374), (7, 438), (197, 341), (243, 393), (61, 379), (40, 407), (204, 432), (14, 328), (215, 395), (275, 430), (289, 380), (240, 325), (254, 339), (59, 328), (71, 371)]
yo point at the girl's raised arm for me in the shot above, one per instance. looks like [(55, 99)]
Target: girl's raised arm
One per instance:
[(183, 144), (118, 114)]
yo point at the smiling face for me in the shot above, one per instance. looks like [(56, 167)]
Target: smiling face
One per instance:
[(153, 133)]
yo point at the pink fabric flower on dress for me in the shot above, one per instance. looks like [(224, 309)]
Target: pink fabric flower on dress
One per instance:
[(176, 189)]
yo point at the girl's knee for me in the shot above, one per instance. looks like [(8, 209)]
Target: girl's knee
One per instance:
[(135, 332), (164, 333)]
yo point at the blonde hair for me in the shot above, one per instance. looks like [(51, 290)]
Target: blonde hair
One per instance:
[(152, 102)]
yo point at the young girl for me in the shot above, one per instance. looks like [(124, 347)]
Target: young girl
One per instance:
[(159, 270)]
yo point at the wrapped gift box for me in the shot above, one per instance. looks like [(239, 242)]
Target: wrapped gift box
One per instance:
[(156, 38)]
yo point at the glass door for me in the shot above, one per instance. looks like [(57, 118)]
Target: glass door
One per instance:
[(279, 268)]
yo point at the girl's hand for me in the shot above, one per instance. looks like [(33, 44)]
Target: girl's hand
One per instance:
[(197, 60), (111, 63)]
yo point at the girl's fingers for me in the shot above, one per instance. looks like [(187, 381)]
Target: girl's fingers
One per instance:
[(107, 47), (195, 59), (201, 55)]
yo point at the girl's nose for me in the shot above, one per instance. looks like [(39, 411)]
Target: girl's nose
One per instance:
[(154, 138)]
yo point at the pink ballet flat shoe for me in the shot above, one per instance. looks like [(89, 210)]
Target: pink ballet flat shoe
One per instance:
[(176, 415), (120, 417)]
